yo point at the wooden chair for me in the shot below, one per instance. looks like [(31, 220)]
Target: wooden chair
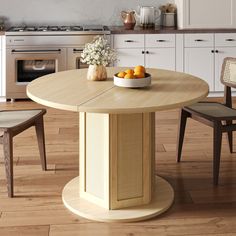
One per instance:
[(13, 123), (216, 115)]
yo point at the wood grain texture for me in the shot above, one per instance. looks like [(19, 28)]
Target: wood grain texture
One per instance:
[(70, 90), (162, 199), (116, 152), (42, 230), (66, 90), (94, 158), (131, 148), (8, 158), (168, 90), (129, 157)]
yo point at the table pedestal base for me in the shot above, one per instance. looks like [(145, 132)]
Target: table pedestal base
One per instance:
[(162, 199)]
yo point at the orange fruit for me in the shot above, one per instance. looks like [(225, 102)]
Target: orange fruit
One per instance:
[(129, 71), (139, 75), (129, 76), (139, 69), (121, 74)]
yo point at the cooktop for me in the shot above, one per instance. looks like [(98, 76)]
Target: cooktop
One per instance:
[(44, 29)]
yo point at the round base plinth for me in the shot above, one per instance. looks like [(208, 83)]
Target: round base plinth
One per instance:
[(161, 201)]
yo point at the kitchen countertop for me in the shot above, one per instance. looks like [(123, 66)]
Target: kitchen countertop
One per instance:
[(167, 30), (161, 30)]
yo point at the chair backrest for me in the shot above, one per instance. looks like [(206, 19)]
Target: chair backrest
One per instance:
[(228, 72), (228, 78)]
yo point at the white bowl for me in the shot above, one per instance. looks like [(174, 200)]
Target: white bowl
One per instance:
[(133, 83)]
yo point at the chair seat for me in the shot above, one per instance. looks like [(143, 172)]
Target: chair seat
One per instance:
[(11, 124), (212, 109), (9, 119)]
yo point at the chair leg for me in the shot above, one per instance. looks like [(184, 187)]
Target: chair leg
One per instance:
[(8, 158), (230, 136), (216, 151), (39, 127), (182, 124)]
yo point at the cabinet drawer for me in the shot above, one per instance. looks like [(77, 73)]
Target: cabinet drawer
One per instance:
[(129, 41), (225, 40), (198, 40), (160, 40)]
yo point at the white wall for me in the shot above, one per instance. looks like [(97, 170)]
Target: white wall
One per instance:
[(65, 12)]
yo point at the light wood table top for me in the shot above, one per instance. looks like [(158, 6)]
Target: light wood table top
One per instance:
[(70, 90)]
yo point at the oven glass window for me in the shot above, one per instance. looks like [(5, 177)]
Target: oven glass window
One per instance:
[(28, 70), (80, 65)]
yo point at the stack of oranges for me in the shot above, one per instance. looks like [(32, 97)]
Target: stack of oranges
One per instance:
[(136, 73)]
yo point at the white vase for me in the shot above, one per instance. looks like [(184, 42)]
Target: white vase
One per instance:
[(97, 72)]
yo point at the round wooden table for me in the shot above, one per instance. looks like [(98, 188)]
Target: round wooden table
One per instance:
[(117, 140)]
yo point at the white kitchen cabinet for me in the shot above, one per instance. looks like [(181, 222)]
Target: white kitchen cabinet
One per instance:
[(206, 13), (200, 62), (2, 67), (162, 58), (219, 57), (150, 50), (160, 51), (199, 56), (128, 41), (204, 55), (129, 57), (130, 49)]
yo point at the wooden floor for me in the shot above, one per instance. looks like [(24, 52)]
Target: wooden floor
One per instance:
[(37, 209)]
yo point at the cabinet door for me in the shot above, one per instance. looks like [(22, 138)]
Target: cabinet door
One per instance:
[(219, 57), (206, 13), (200, 62), (1, 75), (162, 58), (129, 57), (129, 41)]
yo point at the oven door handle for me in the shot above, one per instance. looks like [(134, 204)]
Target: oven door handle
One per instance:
[(76, 50), (36, 51)]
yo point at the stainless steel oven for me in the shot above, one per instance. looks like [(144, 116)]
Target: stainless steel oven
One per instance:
[(74, 58), (27, 64), (32, 52)]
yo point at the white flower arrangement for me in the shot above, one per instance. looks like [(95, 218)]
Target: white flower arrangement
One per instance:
[(98, 52)]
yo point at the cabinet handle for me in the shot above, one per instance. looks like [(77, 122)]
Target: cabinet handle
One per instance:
[(161, 40), (29, 51), (199, 40), (129, 41), (75, 50), (143, 52), (217, 51), (147, 52), (212, 51), (230, 40)]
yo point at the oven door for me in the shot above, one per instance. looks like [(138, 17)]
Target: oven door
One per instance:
[(24, 65), (74, 59)]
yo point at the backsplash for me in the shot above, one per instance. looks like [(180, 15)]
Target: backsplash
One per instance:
[(65, 12)]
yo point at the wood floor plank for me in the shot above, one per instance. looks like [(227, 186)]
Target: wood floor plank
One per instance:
[(93, 229), (42, 230), (223, 234), (42, 217), (218, 194), (185, 226), (34, 203)]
